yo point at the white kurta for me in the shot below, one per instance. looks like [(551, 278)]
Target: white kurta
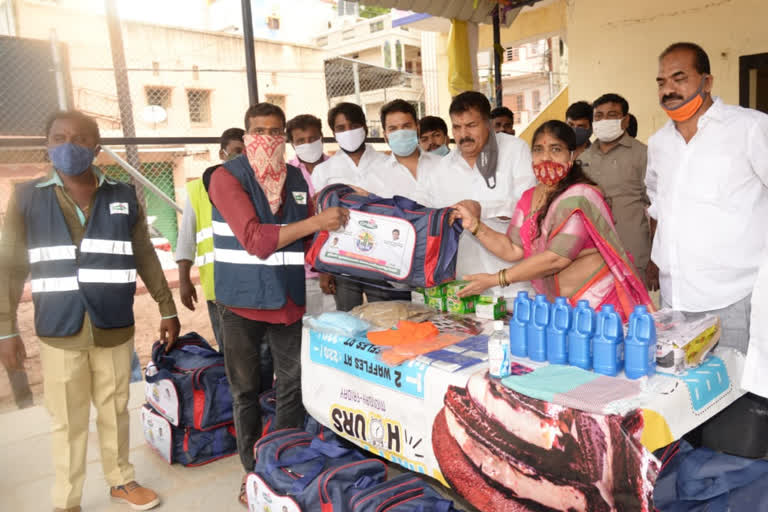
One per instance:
[(755, 378)]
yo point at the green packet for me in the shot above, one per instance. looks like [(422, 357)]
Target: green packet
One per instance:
[(456, 304), (436, 303), (435, 291), (491, 308)]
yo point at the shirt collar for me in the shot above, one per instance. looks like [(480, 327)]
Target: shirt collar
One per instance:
[(626, 140), (55, 179), (715, 111)]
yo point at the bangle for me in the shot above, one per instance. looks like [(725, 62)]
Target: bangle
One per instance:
[(476, 228), (503, 278)]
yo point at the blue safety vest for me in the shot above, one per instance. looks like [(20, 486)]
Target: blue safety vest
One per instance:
[(99, 276), (244, 280)]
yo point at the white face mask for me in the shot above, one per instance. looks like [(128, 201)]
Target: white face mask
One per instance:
[(607, 130), (310, 152), (351, 140)]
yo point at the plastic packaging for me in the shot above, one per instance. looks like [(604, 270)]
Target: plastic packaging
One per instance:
[(641, 344), (537, 329), (580, 336), (498, 351), (518, 325), (608, 343), (557, 331)]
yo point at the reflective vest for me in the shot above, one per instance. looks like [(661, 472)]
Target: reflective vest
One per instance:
[(198, 197), (244, 280), (99, 276)]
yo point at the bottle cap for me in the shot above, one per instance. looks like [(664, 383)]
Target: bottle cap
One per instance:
[(561, 300), (584, 303), (640, 308), (523, 294), (498, 325)]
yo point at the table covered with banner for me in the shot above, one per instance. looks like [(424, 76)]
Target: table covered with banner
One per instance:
[(548, 437)]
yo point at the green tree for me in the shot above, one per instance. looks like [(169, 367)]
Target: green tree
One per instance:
[(367, 11)]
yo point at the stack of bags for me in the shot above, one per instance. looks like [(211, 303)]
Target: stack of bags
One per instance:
[(188, 414)]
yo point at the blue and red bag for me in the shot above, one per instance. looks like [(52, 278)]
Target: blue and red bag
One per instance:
[(423, 233), (405, 493), (185, 445), (188, 385), (298, 472)]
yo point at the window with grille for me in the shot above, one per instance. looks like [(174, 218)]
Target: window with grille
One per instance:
[(536, 100), (519, 103), (160, 96), (512, 54), (199, 101), (377, 26)]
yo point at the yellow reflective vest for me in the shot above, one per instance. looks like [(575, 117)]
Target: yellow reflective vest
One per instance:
[(198, 196)]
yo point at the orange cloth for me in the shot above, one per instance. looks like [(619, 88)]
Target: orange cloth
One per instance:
[(394, 356), (406, 333)]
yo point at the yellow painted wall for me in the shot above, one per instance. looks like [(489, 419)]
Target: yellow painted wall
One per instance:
[(555, 110), (614, 46), (529, 23)]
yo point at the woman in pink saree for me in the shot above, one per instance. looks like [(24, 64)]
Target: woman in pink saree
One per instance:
[(562, 233)]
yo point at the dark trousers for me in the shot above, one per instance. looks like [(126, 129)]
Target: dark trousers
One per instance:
[(349, 293), (243, 339)]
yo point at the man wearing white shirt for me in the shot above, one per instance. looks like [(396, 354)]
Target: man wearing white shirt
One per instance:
[(707, 181), (755, 379), (353, 164), (405, 170), (488, 172)]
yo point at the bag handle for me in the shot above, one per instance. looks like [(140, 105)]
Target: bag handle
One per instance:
[(161, 374)]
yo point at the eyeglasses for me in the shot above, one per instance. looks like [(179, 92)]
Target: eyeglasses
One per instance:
[(274, 132)]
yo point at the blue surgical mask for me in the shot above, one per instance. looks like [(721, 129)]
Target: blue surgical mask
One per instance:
[(403, 142), (71, 159), (441, 151)]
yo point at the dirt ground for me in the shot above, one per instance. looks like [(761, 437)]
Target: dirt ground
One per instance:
[(147, 329)]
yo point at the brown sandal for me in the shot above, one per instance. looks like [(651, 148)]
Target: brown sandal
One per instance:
[(243, 496)]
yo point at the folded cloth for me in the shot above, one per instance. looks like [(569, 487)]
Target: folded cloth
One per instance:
[(338, 322), (397, 355), (575, 388), (406, 333)]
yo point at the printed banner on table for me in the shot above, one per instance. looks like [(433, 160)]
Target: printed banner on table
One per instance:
[(372, 242)]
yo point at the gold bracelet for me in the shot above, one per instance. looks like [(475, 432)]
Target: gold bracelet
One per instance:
[(503, 273), (476, 229)]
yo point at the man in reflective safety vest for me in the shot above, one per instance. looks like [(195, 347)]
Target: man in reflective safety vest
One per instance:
[(82, 238), (195, 242), (262, 218)]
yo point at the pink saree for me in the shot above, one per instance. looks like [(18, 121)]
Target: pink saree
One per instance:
[(580, 219)]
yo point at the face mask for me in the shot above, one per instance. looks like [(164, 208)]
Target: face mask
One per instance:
[(71, 159), (403, 142), (582, 135), (441, 151), (310, 152), (550, 172), (265, 154), (351, 140), (608, 130), (689, 107)]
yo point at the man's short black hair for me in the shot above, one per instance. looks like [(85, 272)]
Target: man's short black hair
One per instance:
[(700, 57), (612, 98), (263, 109), (502, 112), (302, 122), (353, 112), (632, 126), (431, 124), (231, 134), (398, 105), (471, 100), (579, 110), (85, 121)]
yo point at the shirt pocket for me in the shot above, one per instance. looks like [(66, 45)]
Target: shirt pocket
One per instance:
[(707, 178)]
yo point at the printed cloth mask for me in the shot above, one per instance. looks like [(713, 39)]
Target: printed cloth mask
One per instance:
[(582, 135), (351, 140), (486, 160), (441, 151), (403, 142), (688, 108), (608, 130), (310, 152), (71, 159), (266, 155), (550, 172)]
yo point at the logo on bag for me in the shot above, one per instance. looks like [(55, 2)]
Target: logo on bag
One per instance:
[(300, 197), (365, 241), (370, 224), (118, 208)]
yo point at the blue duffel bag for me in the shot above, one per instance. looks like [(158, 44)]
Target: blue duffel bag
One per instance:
[(188, 385), (295, 471), (393, 239), (405, 493), (185, 445)]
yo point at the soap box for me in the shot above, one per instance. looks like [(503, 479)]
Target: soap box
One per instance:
[(436, 303), (456, 304), (490, 307)]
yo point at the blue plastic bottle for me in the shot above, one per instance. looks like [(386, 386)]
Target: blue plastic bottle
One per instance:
[(518, 326), (580, 336), (537, 329), (608, 344), (641, 344), (557, 331)]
